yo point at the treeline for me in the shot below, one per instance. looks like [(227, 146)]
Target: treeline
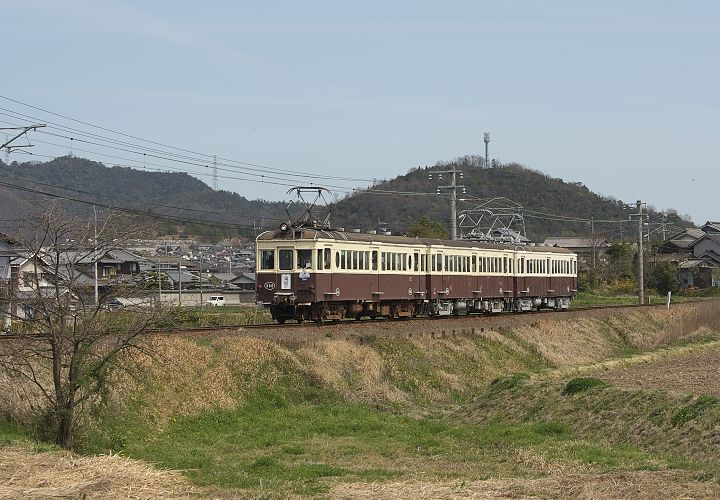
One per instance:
[(542, 198)]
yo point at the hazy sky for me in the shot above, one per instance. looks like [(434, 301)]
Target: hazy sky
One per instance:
[(622, 96)]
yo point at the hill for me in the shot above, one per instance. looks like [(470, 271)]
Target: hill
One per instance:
[(181, 199), (185, 199), (541, 196)]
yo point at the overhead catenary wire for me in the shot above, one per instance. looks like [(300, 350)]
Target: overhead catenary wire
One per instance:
[(150, 148)]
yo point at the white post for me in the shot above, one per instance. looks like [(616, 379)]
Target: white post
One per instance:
[(668, 301)]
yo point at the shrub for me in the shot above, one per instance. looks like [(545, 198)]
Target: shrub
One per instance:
[(582, 384)]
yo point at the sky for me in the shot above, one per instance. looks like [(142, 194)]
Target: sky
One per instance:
[(621, 96)]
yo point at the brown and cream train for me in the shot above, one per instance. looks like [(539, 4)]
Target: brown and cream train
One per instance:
[(315, 274)]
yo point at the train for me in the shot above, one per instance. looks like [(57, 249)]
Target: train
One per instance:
[(317, 274)]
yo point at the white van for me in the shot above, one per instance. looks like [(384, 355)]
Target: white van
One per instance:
[(216, 300)]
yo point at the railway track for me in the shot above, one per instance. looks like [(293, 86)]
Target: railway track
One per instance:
[(350, 322)]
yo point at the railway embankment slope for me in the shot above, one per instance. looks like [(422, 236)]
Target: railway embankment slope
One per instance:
[(475, 405)]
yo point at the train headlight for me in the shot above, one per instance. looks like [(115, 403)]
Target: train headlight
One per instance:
[(284, 227)]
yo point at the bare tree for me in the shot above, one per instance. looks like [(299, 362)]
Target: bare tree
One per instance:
[(65, 340)]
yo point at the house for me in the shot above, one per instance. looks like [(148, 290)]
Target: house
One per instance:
[(225, 278), (699, 272), (682, 242), (244, 281), (130, 263), (708, 244), (711, 227), (181, 278), (588, 248)]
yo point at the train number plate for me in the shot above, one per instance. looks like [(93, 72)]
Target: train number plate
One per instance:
[(285, 282)]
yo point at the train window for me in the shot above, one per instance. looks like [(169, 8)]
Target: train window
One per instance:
[(304, 259), (327, 258), (354, 259), (414, 258), (337, 260), (319, 260), (268, 259), (474, 263), (374, 260), (286, 259), (505, 265)]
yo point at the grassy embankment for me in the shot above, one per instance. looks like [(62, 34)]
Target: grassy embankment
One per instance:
[(254, 416)]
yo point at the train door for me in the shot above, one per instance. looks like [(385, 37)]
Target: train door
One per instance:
[(415, 265), (445, 265), (374, 275), (437, 279), (519, 282), (324, 277), (549, 290)]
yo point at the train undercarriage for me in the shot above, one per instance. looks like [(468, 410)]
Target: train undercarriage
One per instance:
[(285, 308)]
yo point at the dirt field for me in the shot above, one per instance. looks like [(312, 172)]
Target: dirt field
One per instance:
[(695, 371)]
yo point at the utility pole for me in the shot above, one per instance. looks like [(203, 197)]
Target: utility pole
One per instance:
[(486, 138), (201, 290), (641, 265), (592, 232), (97, 295), (452, 187), (179, 284)]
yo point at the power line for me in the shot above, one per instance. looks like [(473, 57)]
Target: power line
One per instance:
[(125, 209), (155, 143)]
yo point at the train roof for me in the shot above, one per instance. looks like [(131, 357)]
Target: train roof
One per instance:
[(300, 234)]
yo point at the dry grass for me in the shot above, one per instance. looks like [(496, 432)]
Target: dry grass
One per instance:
[(185, 378), (630, 485), (355, 371), (26, 474)]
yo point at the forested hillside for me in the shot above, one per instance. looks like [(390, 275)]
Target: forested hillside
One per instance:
[(186, 199), (544, 200), (181, 198)]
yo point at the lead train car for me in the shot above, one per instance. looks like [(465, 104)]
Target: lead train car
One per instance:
[(314, 274)]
